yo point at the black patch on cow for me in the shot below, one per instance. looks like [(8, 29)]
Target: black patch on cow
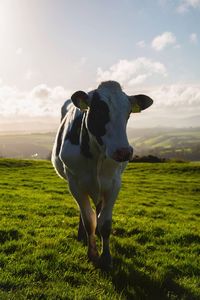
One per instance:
[(73, 135), (98, 117), (59, 139), (85, 147)]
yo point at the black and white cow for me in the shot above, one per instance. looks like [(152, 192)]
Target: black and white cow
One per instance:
[(91, 151)]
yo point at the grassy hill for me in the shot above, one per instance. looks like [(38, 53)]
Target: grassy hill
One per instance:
[(26, 145), (167, 143), (155, 238)]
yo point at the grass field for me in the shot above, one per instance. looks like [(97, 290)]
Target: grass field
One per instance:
[(155, 240)]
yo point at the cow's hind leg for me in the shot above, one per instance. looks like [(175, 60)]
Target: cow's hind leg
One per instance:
[(88, 216), (89, 220)]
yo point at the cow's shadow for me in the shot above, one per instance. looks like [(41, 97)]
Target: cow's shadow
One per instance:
[(133, 284)]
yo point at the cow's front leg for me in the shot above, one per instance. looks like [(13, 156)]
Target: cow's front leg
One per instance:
[(105, 224), (89, 220), (88, 217), (82, 235)]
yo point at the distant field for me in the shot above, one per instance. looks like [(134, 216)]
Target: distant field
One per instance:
[(155, 240), (26, 145), (168, 143)]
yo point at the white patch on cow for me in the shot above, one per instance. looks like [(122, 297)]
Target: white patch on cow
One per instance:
[(119, 107)]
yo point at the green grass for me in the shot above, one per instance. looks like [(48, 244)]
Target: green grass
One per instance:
[(155, 240)]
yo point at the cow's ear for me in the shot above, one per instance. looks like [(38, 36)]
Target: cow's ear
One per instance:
[(140, 102), (80, 100)]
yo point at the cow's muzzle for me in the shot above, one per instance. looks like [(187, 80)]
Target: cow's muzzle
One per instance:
[(123, 154)]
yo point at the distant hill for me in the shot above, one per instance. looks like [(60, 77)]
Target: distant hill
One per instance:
[(163, 142), (27, 145), (167, 142)]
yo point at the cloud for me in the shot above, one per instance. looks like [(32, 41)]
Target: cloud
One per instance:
[(171, 104), (132, 72), (162, 41), (141, 44), (177, 98), (40, 101), (174, 105), (41, 92), (186, 5), (193, 38)]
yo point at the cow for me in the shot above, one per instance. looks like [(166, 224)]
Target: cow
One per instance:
[(90, 152)]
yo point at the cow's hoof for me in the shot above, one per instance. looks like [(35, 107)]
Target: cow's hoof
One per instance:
[(105, 262)]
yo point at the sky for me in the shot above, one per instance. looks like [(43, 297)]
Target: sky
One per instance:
[(51, 48)]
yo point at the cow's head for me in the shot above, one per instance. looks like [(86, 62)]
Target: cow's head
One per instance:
[(107, 116)]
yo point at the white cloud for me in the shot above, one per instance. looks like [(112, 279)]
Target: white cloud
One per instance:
[(132, 72), (41, 92), (193, 38), (163, 40), (186, 5), (177, 98), (174, 105), (141, 44), (40, 101), (139, 79), (171, 104)]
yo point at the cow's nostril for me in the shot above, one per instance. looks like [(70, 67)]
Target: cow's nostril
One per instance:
[(123, 154)]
